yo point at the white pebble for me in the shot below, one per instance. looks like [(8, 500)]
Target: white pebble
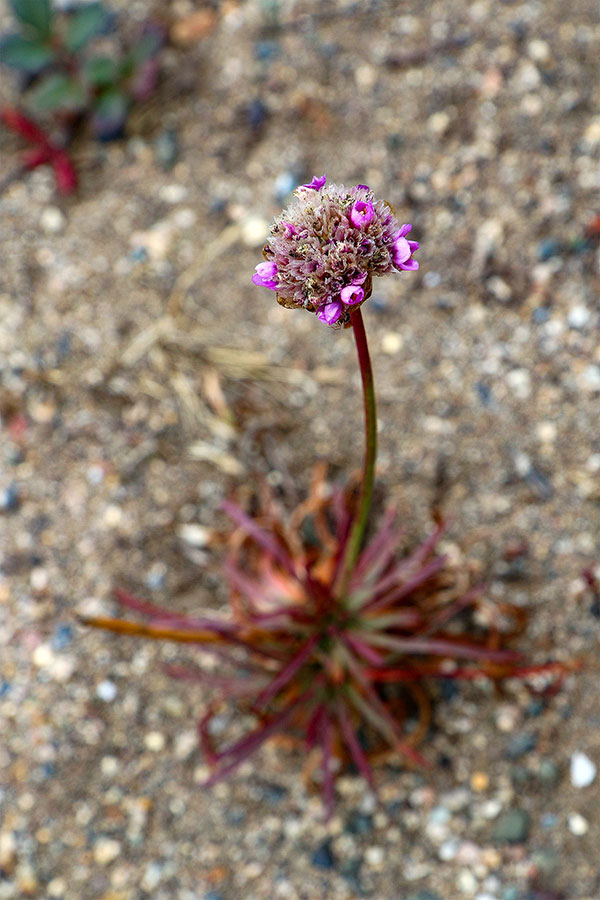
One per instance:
[(107, 691), (155, 741), (255, 231), (43, 656), (466, 882), (38, 579), (591, 378), (194, 534), (577, 824), (106, 851), (391, 342), (583, 770), (52, 220), (374, 857), (578, 316), (173, 193), (519, 381)]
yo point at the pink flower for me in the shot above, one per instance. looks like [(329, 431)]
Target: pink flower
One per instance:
[(352, 294), (317, 183), (331, 312), (266, 275), (403, 249), (361, 213), (324, 250)]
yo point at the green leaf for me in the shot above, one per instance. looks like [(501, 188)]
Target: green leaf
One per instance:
[(37, 14), (101, 71), (85, 23), (58, 93), (27, 54), (110, 115)]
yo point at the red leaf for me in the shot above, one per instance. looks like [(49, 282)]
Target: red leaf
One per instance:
[(21, 124), (64, 172)]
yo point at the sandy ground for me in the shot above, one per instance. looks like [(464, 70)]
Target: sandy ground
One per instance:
[(144, 378)]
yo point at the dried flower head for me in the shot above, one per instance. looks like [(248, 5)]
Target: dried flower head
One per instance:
[(326, 247)]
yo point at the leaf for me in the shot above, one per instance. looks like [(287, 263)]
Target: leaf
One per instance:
[(27, 54), (58, 92), (101, 71), (35, 13), (110, 115), (85, 23)]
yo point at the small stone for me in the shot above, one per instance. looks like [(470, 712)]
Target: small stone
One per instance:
[(500, 289), (578, 317), (590, 378), (106, 691), (512, 827), (374, 857), (548, 771), (9, 498), (583, 770), (466, 882), (254, 231), (154, 741), (166, 149), (27, 881), (521, 744), (194, 534), (480, 781), (577, 824), (8, 851), (106, 850), (424, 895), (191, 28), (391, 343), (43, 656), (52, 220), (38, 579), (323, 857), (56, 887)]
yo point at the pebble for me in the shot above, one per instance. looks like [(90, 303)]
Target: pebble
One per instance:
[(480, 781), (52, 220), (10, 498), (154, 741), (166, 149), (8, 851), (254, 231), (548, 771), (512, 827), (521, 744), (583, 771), (106, 850), (577, 824), (323, 857), (578, 317), (194, 534), (106, 691)]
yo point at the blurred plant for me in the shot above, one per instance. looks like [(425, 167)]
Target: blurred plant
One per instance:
[(334, 639), (67, 85)]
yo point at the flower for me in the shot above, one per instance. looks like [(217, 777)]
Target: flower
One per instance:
[(266, 275), (326, 247)]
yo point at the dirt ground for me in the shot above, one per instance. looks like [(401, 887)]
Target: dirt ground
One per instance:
[(144, 378)]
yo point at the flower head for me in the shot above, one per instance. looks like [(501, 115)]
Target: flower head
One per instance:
[(327, 246)]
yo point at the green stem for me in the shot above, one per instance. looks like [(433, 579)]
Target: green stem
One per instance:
[(359, 525)]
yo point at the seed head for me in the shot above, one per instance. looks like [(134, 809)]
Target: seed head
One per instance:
[(327, 246)]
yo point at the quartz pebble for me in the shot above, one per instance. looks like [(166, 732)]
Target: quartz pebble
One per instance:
[(106, 850), (577, 824), (583, 770)]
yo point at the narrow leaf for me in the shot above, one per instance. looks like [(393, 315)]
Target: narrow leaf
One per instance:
[(287, 673), (356, 751)]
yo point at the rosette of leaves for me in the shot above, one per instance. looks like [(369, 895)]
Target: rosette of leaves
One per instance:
[(64, 81)]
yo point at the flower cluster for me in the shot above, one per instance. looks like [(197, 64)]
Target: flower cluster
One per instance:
[(326, 247)]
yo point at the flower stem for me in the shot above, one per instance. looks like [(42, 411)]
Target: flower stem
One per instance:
[(359, 525)]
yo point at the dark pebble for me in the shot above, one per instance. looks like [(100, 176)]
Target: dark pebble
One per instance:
[(265, 51), (9, 498), (350, 870), (535, 708), (323, 857), (548, 248), (540, 315), (62, 637), (548, 771), (63, 345), (521, 744), (519, 775), (166, 149), (273, 794), (212, 895), (5, 687), (359, 823), (483, 392), (257, 113), (512, 827)]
